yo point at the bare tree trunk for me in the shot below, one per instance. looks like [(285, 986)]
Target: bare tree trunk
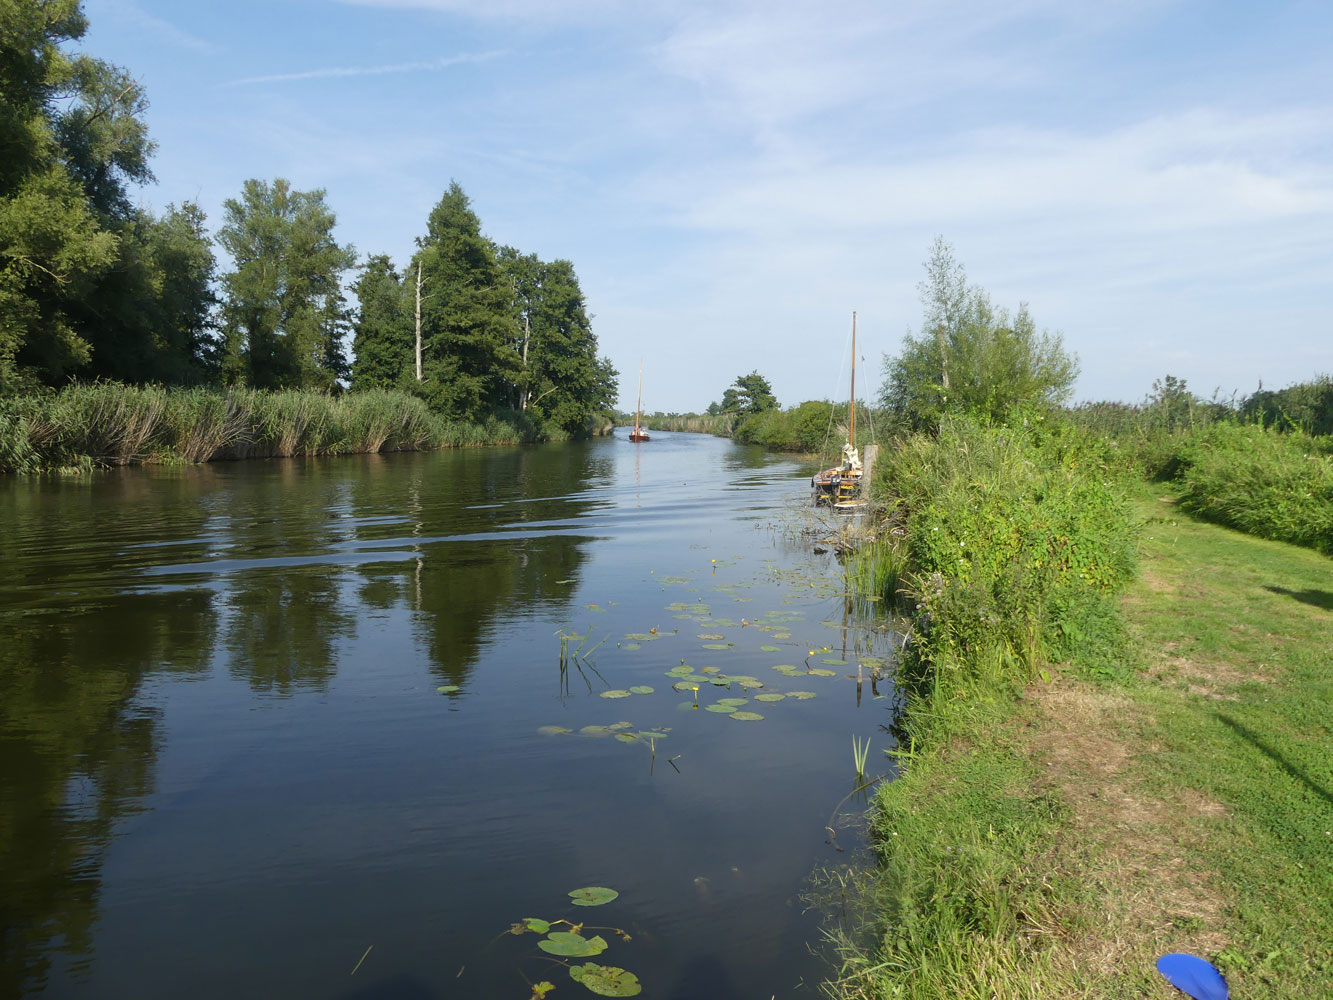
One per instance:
[(526, 391), (419, 378)]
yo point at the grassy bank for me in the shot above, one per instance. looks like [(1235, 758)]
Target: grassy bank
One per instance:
[(1059, 826), (108, 424)]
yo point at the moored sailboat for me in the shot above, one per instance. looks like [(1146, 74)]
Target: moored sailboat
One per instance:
[(638, 433), (841, 485)]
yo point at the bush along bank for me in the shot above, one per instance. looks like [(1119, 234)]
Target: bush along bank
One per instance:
[(1011, 546), (106, 424)]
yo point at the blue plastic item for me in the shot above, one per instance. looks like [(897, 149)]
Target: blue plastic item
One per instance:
[(1193, 976)]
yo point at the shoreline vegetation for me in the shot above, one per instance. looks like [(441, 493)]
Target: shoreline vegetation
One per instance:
[(105, 424)]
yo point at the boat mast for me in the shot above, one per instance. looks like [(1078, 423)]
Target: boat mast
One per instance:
[(638, 406), (851, 437)]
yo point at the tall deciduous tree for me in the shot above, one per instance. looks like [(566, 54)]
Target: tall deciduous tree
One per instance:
[(469, 330), (382, 335), (150, 318), (284, 313), (561, 378), (69, 138), (972, 357)]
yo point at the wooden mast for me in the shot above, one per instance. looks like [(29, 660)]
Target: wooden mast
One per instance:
[(638, 405), (851, 437)]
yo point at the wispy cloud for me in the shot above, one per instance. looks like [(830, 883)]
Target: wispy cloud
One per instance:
[(130, 11), (330, 72)]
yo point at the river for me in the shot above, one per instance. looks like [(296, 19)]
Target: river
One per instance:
[(290, 728)]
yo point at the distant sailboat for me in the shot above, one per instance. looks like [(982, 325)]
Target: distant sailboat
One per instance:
[(639, 434)]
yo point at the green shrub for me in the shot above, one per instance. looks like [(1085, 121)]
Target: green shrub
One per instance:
[(1018, 541), (1261, 482)]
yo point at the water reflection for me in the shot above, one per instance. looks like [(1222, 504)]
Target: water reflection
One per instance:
[(76, 756)]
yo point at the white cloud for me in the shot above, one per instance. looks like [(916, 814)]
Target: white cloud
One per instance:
[(128, 10), (420, 66)]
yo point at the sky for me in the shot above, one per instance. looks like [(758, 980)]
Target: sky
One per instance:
[(732, 178)]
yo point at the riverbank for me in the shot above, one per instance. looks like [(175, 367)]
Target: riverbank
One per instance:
[(1055, 838), (103, 424)]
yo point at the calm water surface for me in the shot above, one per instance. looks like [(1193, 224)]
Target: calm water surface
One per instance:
[(226, 768)]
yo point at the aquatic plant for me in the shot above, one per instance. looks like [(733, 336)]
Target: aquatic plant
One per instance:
[(573, 942), (859, 753)]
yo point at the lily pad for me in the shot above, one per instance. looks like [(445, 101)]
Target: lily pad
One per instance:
[(616, 693), (620, 725), (606, 980), (570, 945), (627, 738), (748, 682), (536, 924), (747, 716), (801, 695), (769, 696), (685, 686), (834, 661), (710, 635), (594, 731), (781, 635), (641, 689), (770, 649), (821, 672), (448, 688), (641, 636), (554, 730), (717, 645), (680, 671), (631, 645), (593, 895), (734, 702), (720, 708)]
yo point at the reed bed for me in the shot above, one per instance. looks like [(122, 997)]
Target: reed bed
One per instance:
[(103, 424)]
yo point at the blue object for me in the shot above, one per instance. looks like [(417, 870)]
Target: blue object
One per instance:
[(1193, 976)]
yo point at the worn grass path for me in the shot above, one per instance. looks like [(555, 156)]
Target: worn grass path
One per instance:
[(1201, 795), (1232, 735), (1056, 848)]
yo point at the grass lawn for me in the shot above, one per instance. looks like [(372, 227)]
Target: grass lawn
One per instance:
[(1056, 846)]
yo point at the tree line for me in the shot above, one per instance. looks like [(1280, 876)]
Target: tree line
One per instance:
[(93, 286)]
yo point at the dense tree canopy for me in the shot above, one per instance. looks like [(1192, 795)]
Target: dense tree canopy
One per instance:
[(748, 394), (469, 330), (560, 377), (283, 309), (382, 330), (90, 284), (971, 357)]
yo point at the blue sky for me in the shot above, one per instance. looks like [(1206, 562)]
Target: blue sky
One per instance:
[(732, 178)]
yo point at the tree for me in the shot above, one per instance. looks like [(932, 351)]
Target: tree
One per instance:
[(560, 376), (748, 394), (382, 342), (150, 318), (70, 138), (469, 331), (971, 357), (283, 309)]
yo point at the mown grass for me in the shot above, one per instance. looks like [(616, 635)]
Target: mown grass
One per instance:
[(1238, 634), (1052, 841), (107, 424)]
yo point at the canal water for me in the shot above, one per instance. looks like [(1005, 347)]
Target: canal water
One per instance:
[(293, 728)]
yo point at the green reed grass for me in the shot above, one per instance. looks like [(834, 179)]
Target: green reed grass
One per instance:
[(99, 424)]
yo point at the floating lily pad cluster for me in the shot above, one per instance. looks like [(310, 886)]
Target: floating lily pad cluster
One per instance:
[(620, 730), (574, 942)]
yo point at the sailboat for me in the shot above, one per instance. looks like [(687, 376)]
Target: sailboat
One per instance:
[(840, 486), (639, 434)]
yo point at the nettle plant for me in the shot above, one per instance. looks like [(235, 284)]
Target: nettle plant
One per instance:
[(571, 941)]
